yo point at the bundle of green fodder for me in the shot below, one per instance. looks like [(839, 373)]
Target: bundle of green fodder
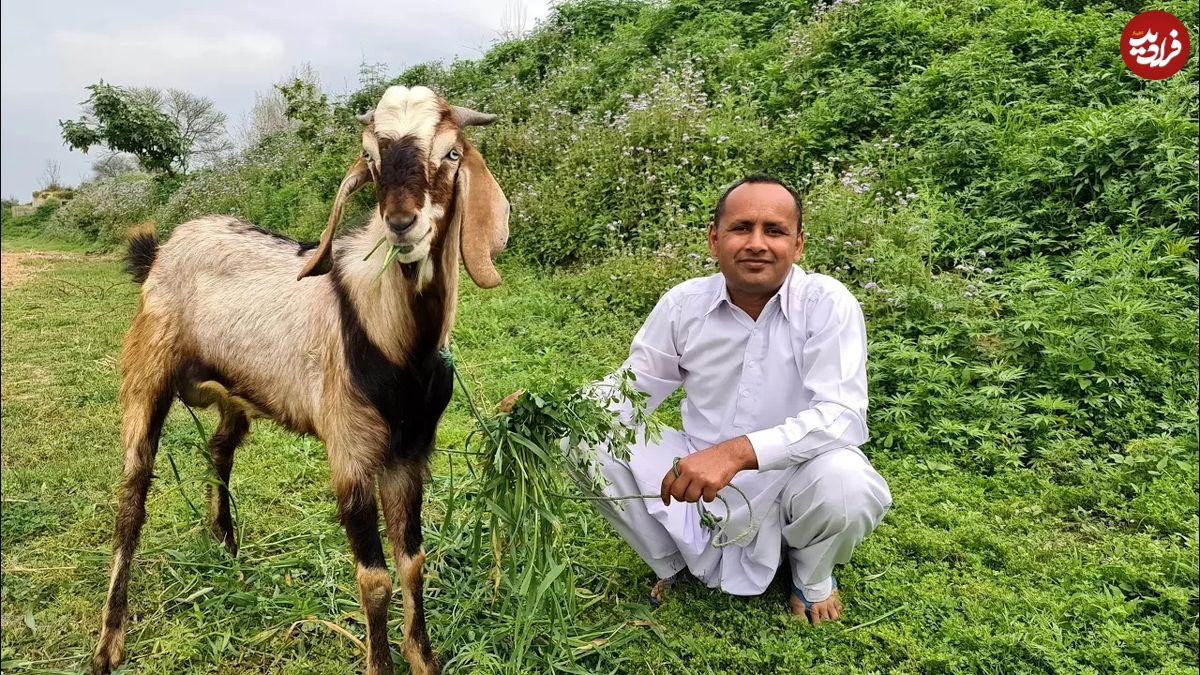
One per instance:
[(523, 487), (526, 481)]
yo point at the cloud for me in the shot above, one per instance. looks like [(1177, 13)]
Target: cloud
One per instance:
[(224, 50), (169, 55)]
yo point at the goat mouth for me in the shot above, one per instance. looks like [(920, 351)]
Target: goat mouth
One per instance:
[(407, 242), (410, 249)]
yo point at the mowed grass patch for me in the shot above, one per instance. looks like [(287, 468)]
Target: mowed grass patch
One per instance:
[(1018, 571)]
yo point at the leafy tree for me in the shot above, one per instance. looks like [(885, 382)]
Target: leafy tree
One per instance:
[(269, 116), (114, 164), (308, 106), (125, 122), (200, 124)]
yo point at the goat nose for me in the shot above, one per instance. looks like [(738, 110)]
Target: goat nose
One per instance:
[(401, 223)]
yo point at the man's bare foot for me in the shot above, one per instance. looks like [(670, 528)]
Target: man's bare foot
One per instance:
[(659, 591), (829, 609)]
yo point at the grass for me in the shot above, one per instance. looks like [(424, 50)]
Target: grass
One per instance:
[(1009, 572)]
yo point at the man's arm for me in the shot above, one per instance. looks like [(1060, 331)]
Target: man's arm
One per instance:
[(835, 374), (653, 359)]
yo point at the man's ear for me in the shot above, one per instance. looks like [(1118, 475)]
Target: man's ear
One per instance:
[(799, 248), (712, 239)]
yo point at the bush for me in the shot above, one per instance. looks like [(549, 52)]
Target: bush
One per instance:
[(31, 225), (103, 210)]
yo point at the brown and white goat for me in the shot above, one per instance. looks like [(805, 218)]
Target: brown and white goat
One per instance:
[(343, 350)]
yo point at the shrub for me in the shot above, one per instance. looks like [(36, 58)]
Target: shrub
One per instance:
[(33, 224), (103, 210)]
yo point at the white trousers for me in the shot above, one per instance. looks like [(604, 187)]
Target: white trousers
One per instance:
[(816, 513)]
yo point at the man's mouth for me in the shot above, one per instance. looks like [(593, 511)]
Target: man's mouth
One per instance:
[(754, 264)]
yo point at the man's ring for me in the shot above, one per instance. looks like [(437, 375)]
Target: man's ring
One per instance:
[(675, 466)]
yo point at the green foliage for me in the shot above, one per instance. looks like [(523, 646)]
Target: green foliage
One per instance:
[(1084, 562), (33, 224), (308, 106), (522, 494), (1015, 211), (123, 123), (104, 210)]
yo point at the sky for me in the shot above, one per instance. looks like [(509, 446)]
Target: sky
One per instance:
[(224, 50)]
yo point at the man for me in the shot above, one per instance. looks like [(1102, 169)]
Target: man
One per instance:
[(773, 362)]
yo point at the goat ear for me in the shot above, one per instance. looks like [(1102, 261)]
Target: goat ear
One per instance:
[(482, 211), (357, 176)]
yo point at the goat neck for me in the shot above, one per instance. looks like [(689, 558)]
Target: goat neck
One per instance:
[(408, 309)]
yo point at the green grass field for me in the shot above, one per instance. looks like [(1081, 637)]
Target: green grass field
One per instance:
[(1005, 573)]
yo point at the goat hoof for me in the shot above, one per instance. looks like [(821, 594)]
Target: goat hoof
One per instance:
[(227, 540), (105, 661)]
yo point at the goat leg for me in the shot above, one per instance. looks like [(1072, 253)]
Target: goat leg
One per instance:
[(360, 516), (232, 429), (401, 487), (146, 398)]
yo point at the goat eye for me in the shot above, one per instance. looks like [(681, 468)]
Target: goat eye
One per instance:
[(367, 156), (454, 155)]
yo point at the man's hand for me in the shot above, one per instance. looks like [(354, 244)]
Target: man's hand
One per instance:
[(509, 401), (704, 473)]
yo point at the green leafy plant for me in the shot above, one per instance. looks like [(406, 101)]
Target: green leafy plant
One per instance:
[(522, 494), (123, 123)]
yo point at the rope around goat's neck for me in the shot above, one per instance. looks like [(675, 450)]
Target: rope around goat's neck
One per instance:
[(708, 520)]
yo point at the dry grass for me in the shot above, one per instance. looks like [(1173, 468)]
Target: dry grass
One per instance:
[(17, 267)]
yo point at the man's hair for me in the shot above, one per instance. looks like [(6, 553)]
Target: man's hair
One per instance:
[(761, 178)]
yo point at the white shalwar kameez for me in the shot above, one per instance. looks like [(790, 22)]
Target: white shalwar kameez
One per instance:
[(794, 382)]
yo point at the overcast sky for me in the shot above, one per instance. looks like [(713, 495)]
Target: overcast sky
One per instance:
[(220, 49)]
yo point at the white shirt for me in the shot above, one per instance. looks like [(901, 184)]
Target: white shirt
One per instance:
[(794, 381)]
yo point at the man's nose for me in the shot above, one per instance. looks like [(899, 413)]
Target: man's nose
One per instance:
[(757, 241)]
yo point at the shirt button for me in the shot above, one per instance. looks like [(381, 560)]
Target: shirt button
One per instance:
[(745, 394)]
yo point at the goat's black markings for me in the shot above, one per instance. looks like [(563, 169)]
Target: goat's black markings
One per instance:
[(403, 167), (411, 397), (360, 517), (302, 247), (412, 529)]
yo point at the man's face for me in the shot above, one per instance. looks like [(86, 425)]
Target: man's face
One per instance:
[(757, 239)]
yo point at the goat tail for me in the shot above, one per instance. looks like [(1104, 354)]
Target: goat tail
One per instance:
[(143, 249)]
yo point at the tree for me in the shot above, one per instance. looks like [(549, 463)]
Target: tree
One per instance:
[(51, 176), (512, 20), (114, 164), (124, 122), (200, 124), (309, 107), (269, 116)]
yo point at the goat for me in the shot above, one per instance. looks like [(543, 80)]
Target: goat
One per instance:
[(342, 350)]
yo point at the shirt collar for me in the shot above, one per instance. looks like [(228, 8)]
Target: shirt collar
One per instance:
[(784, 294)]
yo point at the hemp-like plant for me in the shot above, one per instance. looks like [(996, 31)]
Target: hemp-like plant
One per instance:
[(522, 491)]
